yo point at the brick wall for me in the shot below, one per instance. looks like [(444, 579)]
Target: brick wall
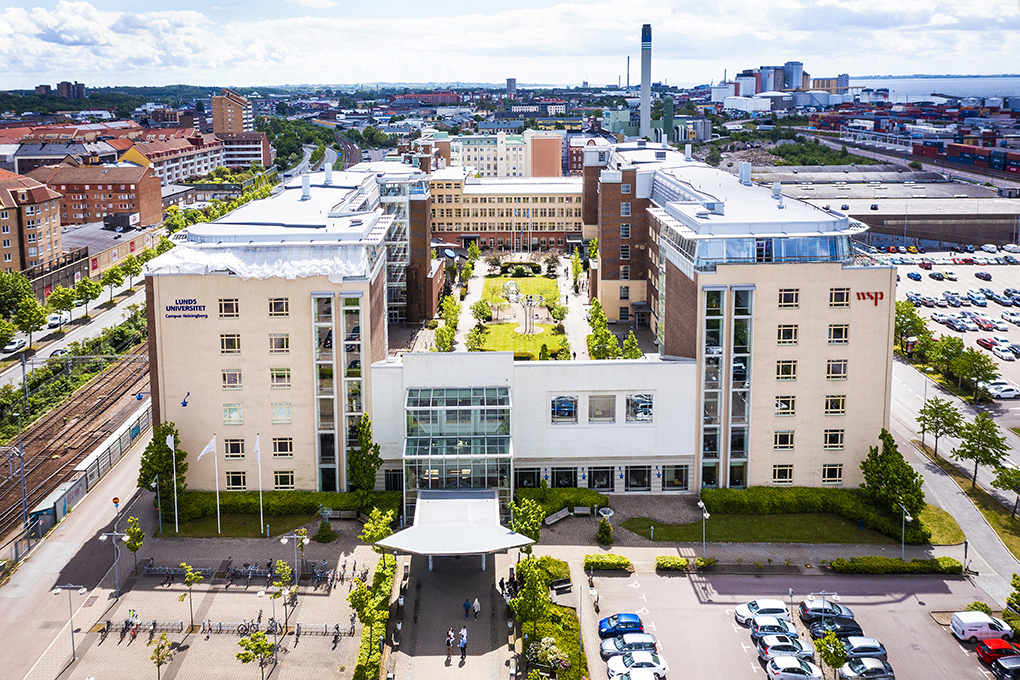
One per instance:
[(681, 314)]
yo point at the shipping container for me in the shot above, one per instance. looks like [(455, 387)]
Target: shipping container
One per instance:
[(997, 164), (1013, 155), (1013, 168), (980, 163), (981, 153)]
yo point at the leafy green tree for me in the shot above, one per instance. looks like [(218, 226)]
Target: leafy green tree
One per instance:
[(631, 350), (134, 538), (981, 442), (593, 249), (1014, 598), (831, 651), (481, 311), (62, 300), (576, 268), (889, 480), (112, 278), (162, 653), (714, 158), (543, 352), (944, 352), (526, 519), (164, 245), (557, 310), (449, 309), (87, 291), (473, 252), (377, 528), (191, 577), (975, 366), (466, 272), (158, 460), (363, 460), (365, 603), (532, 601), (476, 338), (30, 317), (602, 344), (939, 417), (282, 586), (14, 287), (131, 267), (908, 322), (146, 255), (1007, 478), (604, 535), (7, 332), (256, 647)]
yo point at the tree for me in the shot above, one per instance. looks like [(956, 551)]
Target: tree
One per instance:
[(135, 535), (30, 317), (282, 585), (604, 535), (476, 338), (158, 460), (714, 158), (939, 417), (62, 300), (631, 350), (86, 291), (164, 245), (363, 460), (831, 650), (908, 322), (975, 366), (112, 278), (162, 653), (13, 288), (1007, 478), (377, 528), (132, 267), (449, 309), (473, 252), (593, 249), (146, 255), (576, 268), (481, 311), (465, 273), (191, 577), (526, 519), (7, 332), (1014, 598), (602, 344), (256, 647), (532, 601), (365, 604), (543, 352), (944, 352), (981, 442), (889, 480)]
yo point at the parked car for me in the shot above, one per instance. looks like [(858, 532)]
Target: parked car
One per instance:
[(841, 627), (924, 264), (984, 276), (866, 669), (771, 646), (1006, 393), (631, 642), (15, 345), (913, 276), (974, 626), (792, 668), (812, 610), (950, 275), (939, 317), (987, 343), (745, 612), (999, 325), (761, 626), (1006, 668), (619, 624), (858, 647), (995, 648), (989, 248), (936, 275), (846, 206), (984, 324), (987, 292), (622, 663), (1003, 352)]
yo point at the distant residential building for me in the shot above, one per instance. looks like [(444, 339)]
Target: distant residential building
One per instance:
[(241, 149), (73, 90), (232, 113), (29, 223), (511, 87), (531, 154), (93, 192), (427, 98), (43, 89), (108, 244), (174, 160), (177, 194), (34, 155)]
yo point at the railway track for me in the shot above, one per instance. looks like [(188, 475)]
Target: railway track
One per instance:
[(61, 439)]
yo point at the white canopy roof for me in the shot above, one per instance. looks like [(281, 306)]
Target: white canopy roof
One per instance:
[(455, 523)]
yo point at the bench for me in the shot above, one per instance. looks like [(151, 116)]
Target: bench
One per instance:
[(561, 585), (344, 514), (582, 510), (557, 516)]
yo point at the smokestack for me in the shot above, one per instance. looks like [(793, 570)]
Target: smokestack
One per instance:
[(628, 71), (646, 81), (306, 187)]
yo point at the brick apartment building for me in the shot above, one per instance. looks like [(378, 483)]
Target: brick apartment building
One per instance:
[(232, 113), (177, 159), (29, 223), (240, 149), (92, 192)]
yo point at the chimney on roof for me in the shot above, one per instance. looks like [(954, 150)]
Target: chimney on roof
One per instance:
[(306, 187), (687, 152), (329, 173), (745, 173)]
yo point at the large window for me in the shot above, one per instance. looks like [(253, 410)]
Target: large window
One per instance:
[(279, 307), (786, 406), (832, 473), (279, 343), (231, 378), (283, 447), (600, 478), (230, 343), (233, 449), (602, 408), (836, 369), (789, 298), (564, 478), (229, 308), (675, 478), (833, 440), (835, 404), (787, 334), (782, 440), (233, 414), (236, 481), (625, 272), (839, 334), (624, 230), (281, 413), (782, 474), (283, 479), (625, 210), (527, 478), (786, 370), (639, 408), (625, 252), (624, 292), (564, 409), (279, 378), (839, 297), (638, 478)]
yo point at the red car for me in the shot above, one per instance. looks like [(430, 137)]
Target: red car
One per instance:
[(987, 343), (993, 648), (891, 249), (984, 324), (924, 265)]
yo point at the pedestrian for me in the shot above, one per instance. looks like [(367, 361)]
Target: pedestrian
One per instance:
[(463, 647), (449, 644), (502, 583), (477, 607), (467, 608), (575, 356)]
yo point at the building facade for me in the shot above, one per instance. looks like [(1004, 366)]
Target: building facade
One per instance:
[(241, 149), (177, 159), (92, 192), (232, 112), (29, 223)]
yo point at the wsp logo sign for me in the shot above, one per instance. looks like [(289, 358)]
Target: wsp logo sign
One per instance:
[(872, 296)]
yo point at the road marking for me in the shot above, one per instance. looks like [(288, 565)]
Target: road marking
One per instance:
[(754, 667), (964, 650), (643, 597), (751, 648), (633, 584), (643, 610), (652, 624), (738, 628), (729, 611)]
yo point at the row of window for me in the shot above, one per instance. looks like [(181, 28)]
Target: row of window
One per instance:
[(238, 480), (634, 477), (525, 213), (835, 405), (279, 378), (230, 308), (283, 447), (832, 473), (99, 187), (601, 408), (789, 298), (230, 343), (832, 440), (835, 369), (233, 414), (789, 334)]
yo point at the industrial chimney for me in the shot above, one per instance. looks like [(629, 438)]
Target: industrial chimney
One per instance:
[(646, 81)]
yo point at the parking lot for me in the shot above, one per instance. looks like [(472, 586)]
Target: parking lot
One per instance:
[(692, 617)]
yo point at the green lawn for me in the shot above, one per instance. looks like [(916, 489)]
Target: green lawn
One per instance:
[(529, 285), (944, 529), (784, 528), (237, 526), (503, 337)]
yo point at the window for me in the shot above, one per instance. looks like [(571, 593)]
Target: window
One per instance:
[(836, 369), (624, 313), (839, 334), (835, 404), (233, 449), (624, 231), (639, 408), (625, 252), (233, 414), (625, 210), (638, 478), (564, 478), (229, 308), (279, 378), (832, 473), (231, 378), (625, 272), (624, 188), (624, 292), (787, 334), (527, 478), (602, 408), (283, 479), (283, 447), (786, 370), (782, 474), (564, 409), (839, 297), (281, 413), (833, 440), (786, 406), (236, 481), (600, 478), (279, 307), (675, 478), (279, 343), (230, 343), (782, 440), (789, 298)]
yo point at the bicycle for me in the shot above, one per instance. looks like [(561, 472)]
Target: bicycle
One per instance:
[(246, 627)]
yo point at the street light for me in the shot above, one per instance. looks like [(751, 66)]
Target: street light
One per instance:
[(704, 517), (116, 554), (276, 624), (70, 608), (159, 505), (21, 459), (297, 539), (903, 530), (823, 594)]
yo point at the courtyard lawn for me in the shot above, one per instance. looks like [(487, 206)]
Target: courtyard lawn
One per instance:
[(783, 528), (237, 526), (529, 285), (503, 337)]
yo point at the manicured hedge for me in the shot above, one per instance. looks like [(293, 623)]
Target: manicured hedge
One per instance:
[(197, 504), (670, 563), (369, 654), (606, 562), (850, 504), (874, 564), (704, 562), (554, 500)]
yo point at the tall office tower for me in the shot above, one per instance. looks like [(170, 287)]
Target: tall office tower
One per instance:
[(646, 81), (232, 113), (511, 87)]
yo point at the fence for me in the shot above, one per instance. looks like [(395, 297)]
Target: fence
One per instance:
[(18, 547), (102, 459)]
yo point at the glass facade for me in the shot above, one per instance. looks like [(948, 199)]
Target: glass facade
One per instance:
[(394, 198)]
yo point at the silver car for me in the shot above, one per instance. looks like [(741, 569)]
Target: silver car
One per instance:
[(867, 668), (858, 647), (631, 642), (745, 612), (771, 646), (792, 668), (769, 625), (631, 661)]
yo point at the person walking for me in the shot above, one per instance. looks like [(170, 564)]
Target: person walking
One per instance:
[(463, 643), (449, 644), (502, 583), (477, 606), (467, 608)]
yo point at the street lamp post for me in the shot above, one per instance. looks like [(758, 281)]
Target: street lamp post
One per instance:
[(116, 551), (704, 518), (21, 460), (297, 539), (70, 609), (159, 506), (276, 624), (903, 531)]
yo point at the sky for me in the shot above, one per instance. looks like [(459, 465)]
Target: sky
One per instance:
[(278, 42)]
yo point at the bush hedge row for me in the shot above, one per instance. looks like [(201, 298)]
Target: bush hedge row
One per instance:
[(671, 563), (194, 505), (875, 564), (607, 561), (369, 655), (849, 504), (554, 500)]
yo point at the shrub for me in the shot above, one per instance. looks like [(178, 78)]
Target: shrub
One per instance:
[(552, 568), (670, 563), (704, 562), (194, 505), (325, 533), (554, 500), (548, 654), (369, 655), (607, 562), (875, 564), (524, 356), (977, 606), (1011, 617), (520, 271), (605, 532), (432, 324), (850, 504)]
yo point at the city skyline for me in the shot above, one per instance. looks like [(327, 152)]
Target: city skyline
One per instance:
[(109, 42)]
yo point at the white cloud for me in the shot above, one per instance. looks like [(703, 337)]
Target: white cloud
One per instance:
[(314, 4)]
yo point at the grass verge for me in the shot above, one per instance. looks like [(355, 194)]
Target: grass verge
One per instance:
[(782, 528), (944, 529), (529, 285), (503, 337), (237, 526)]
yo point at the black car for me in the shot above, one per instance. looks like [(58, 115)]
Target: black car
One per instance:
[(845, 206), (840, 626), (937, 276), (984, 276), (1010, 259), (816, 609)]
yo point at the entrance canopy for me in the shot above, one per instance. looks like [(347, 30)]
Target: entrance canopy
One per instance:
[(455, 523)]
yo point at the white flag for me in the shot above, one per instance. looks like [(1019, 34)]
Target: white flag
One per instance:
[(258, 455), (170, 441), (209, 448)]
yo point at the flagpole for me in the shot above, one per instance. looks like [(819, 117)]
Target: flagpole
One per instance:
[(258, 459), (216, 465), (173, 455)]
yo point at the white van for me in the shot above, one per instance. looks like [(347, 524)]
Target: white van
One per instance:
[(974, 626), (1011, 248)]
